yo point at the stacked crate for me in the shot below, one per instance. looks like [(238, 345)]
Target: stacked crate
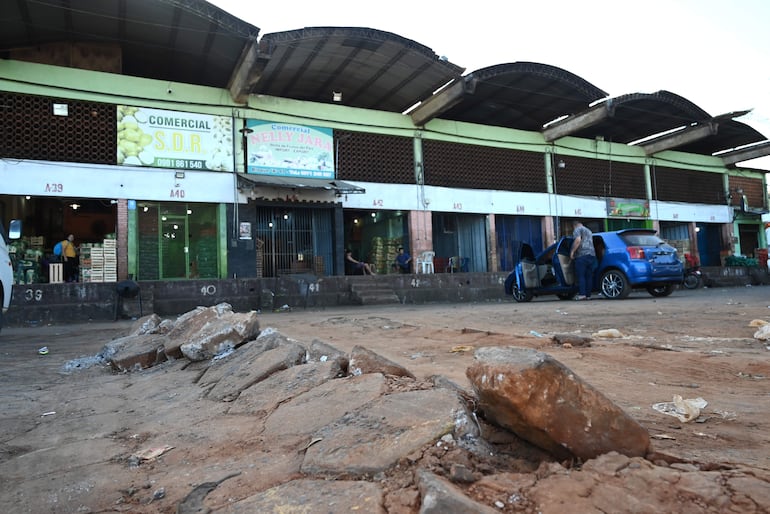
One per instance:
[(110, 261), (35, 242), (97, 263), (85, 262), (682, 246)]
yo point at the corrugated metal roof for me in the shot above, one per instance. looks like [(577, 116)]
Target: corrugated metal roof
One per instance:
[(192, 41)]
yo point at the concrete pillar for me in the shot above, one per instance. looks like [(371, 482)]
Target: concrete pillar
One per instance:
[(493, 259), (420, 232)]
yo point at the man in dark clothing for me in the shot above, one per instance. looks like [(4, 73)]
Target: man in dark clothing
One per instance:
[(583, 254)]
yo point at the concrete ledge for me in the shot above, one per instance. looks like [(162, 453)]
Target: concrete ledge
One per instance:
[(81, 302), (735, 276)]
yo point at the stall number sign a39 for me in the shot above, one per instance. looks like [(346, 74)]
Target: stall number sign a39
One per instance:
[(169, 139)]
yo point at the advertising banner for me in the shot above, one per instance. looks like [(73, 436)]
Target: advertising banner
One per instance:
[(627, 208), (283, 149), (172, 139)]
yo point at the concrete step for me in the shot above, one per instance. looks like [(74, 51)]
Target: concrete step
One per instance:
[(373, 294)]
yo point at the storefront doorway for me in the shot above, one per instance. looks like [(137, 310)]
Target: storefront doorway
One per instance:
[(176, 241), (375, 236), (174, 256), (293, 240)]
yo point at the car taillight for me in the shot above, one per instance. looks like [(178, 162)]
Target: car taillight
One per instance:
[(636, 252)]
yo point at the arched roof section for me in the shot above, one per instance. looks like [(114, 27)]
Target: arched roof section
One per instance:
[(372, 69), (730, 134), (520, 95), (656, 122), (639, 115), (188, 41)]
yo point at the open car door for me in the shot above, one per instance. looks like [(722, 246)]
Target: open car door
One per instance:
[(524, 272)]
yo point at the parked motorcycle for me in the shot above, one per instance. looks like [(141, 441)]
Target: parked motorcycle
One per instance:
[(693, 277)]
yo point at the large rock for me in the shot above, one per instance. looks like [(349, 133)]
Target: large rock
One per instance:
[(203, 333), (542, 401)]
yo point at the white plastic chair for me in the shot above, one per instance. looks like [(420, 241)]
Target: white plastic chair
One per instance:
[(425, 262)]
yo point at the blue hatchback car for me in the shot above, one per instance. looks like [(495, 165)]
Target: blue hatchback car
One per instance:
[(628, 259)]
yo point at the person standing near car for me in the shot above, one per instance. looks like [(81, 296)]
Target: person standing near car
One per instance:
[(583, 255)]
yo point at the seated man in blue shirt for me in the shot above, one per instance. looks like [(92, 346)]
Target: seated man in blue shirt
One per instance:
[(403, 262)]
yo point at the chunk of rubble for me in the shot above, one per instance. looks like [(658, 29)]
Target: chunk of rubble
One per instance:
[(609, 333), (247, 368), (364, 361), (135, 351), (202, 333), (149, 324), (763, 334), (322, 352), (571, 339), (439, 496), (545, 403)]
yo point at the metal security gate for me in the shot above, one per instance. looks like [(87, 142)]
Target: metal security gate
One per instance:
[(293, 240)]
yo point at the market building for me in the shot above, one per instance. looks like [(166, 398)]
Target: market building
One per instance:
[(177, 144)]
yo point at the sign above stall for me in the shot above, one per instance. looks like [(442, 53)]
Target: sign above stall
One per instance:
[(172, 139), (627, 208), (286, 150)]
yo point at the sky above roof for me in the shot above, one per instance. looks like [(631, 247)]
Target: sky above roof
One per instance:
[(714, 53)]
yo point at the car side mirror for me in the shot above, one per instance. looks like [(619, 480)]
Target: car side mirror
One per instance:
[(14, 229)]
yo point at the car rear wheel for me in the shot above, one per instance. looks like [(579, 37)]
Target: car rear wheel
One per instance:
[(614, 285), (661, 290), (520, 295)]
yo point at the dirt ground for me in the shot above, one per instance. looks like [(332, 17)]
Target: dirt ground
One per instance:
[(693, 343)]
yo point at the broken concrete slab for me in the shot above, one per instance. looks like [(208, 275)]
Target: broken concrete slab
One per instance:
[(545, 403), (314, 496), (265, 396), (307, 412), (374, 437), (219, 368), (130, 352), (205, 332), (241, 373)]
